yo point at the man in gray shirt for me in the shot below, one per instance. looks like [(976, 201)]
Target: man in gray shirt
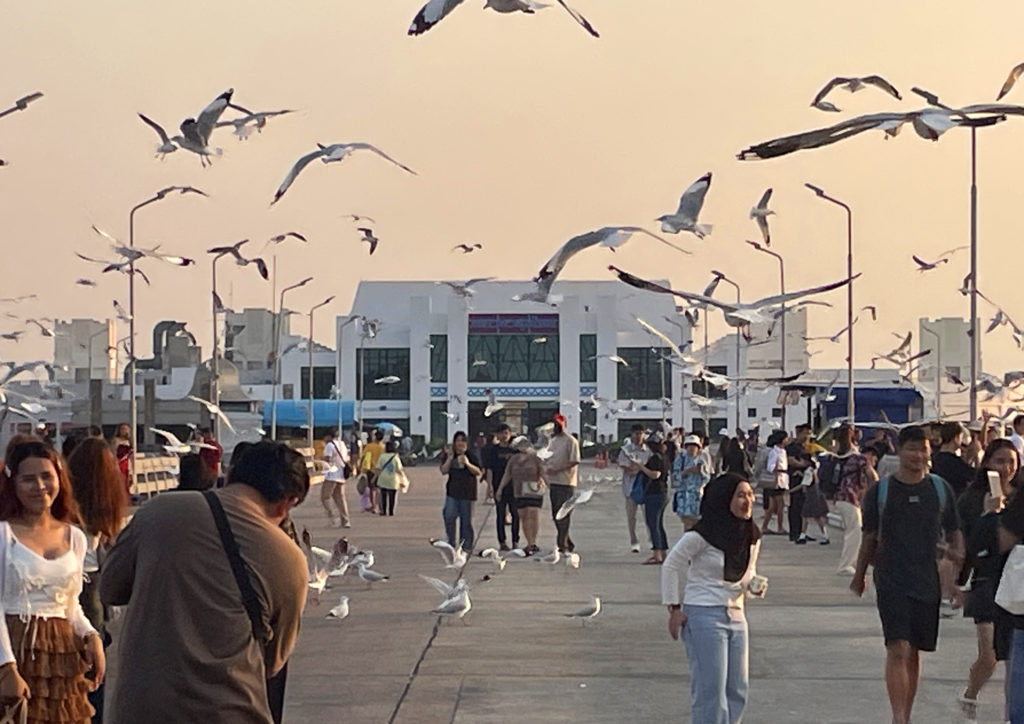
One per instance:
[(560, 475)]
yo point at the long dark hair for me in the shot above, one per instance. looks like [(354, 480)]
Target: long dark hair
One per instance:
[(63, 507), (980, 481), (98, 487)]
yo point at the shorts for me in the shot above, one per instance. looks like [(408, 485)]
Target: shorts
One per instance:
[(529, 503), (981, 602), (908, 619), (768, 493)]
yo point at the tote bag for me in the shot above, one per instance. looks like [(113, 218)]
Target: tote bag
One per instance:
[(1010, 594)]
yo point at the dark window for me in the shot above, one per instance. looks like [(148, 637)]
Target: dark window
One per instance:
[(751, 412), (439, 358), (648, 376), (588, 366), (438, 423), (512, 358), (384, 362), (287, 391), (82, 374), (776, 412), (714, 424), (588, 421), (323, 381), (702, 388)]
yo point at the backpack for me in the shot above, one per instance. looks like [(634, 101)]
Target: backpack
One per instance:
[(830, 469), (883, 493)]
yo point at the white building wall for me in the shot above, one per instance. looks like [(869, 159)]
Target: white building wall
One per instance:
[(85, 349)]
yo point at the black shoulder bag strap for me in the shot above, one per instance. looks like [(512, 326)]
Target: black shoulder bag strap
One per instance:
[(250, 599)]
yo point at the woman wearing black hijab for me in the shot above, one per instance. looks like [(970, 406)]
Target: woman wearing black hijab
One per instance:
[(720, 555)]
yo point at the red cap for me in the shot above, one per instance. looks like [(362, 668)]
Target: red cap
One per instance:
[(559, 418)]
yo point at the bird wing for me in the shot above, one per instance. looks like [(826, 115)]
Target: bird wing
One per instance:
[(89, 258), (440, 586), (692, 200), (905, 344), (209, 116), (762, 224), (1011, 79), (827, 88), (168, 436), (765, 198), (579, 19), (954, 250), (294, 171), (921, 262), (660, 335), (156, 127), (446, 551), (360, 146), (879, 82), (824, 136), (431, 14), (789, 296), (553, 267), (476, 280), (635, 281)]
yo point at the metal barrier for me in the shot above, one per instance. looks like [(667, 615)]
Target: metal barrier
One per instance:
[(154, 475)]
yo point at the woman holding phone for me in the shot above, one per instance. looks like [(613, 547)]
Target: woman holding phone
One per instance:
[(996, 479), (463, 468)]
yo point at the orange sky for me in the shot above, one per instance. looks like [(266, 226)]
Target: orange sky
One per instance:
[(524, 130)]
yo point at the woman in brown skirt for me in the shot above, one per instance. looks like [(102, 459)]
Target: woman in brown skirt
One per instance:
[(46, 642)]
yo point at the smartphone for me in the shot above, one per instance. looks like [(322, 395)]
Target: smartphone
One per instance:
[(995, 485)]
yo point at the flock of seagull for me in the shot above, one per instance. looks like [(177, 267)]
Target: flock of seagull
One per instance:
[(326, 565)]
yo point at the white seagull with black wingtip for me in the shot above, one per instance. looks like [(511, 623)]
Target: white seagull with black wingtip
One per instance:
[(690, 203), (334, 152)]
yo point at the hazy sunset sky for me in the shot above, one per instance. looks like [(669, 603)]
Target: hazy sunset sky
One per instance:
[(524, 130)]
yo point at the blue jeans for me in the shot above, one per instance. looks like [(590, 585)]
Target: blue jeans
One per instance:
[(1015, 672), (461, 511), (654, 513), (716, 646)]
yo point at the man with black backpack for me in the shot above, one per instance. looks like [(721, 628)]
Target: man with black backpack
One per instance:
[(910, 524)]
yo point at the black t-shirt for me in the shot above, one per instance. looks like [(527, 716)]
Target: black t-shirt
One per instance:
[(462, 483), (496, 459), (799, 461), (954, 470), (911, 529), (655, 464)]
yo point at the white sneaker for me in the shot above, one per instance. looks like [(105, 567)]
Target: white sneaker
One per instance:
[(635, 548), (846, 571), (968, 708)]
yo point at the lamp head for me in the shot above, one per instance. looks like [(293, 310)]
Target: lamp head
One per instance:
[(817, 190)]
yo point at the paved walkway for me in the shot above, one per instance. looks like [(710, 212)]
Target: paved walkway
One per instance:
[(816, 652)]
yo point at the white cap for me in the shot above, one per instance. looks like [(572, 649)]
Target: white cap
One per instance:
[(691, 440)]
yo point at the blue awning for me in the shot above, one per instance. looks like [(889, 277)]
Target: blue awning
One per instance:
[(896, 402), (293, 413)]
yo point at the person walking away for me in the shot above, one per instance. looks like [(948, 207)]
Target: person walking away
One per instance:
[(339, 467), (44, 633), (775, 481), (632, 455), (463, 467), (524, 474), (690, 473), (720, 559), (801, 476), (947, 463), (390, 475), (655, 472), (984, 566), (98, 490), (560, 475), (853, 475), (121, 444), (496, 458), (368, 466), (908, 518), (735, 459), (183, 561)]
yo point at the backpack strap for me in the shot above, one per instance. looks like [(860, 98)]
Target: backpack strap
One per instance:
[(940, 489), (883, 493)]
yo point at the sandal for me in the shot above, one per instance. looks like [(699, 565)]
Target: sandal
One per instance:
[(652, 561)]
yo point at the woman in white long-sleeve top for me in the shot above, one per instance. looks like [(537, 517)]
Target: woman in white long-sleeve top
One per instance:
[(719, 557)]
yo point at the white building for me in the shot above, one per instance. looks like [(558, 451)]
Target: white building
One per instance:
[(949, 340), (84, 349), (448, 352)]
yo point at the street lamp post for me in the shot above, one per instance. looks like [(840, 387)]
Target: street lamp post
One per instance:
[(278, 324), (782, 290), (133, 403), (682, 345), (89, 348), (738, 394), (214, 362), (324, 303), (337, 373), (939, 373), (850, 406)]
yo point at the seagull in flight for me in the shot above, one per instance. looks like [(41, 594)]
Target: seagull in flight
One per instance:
[(195, 132), (13, 336), (1008, 84), (134, 253), (465, 289), (736, 314), (467, 248), (853, 85), (250, 121), (923, 266), (609, 236), (83, 282), (213, 410), (121, 312), (335, 152), (369, 238), (575, 500), (611, 358), (436, 10), (22, 103), (235, 250), (690, 203), (453, 557), (357, 218), (388, 380), (760, 214), (284, 237), (493, 405)]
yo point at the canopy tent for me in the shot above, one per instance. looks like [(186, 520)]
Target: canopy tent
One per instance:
[(295, 413)]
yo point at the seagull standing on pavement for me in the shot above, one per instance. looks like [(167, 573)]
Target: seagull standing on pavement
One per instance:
[(760, 214), (335, 152), (341, 610), (371, 577), (588, 612), (690, 204), (456, 607)]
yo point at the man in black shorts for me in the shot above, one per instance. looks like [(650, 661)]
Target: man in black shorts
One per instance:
[(496, 457), (910, 524)]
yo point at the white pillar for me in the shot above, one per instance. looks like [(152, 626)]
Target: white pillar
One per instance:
[(458, 329), (607, 372), (419, 366), (570, 321)]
